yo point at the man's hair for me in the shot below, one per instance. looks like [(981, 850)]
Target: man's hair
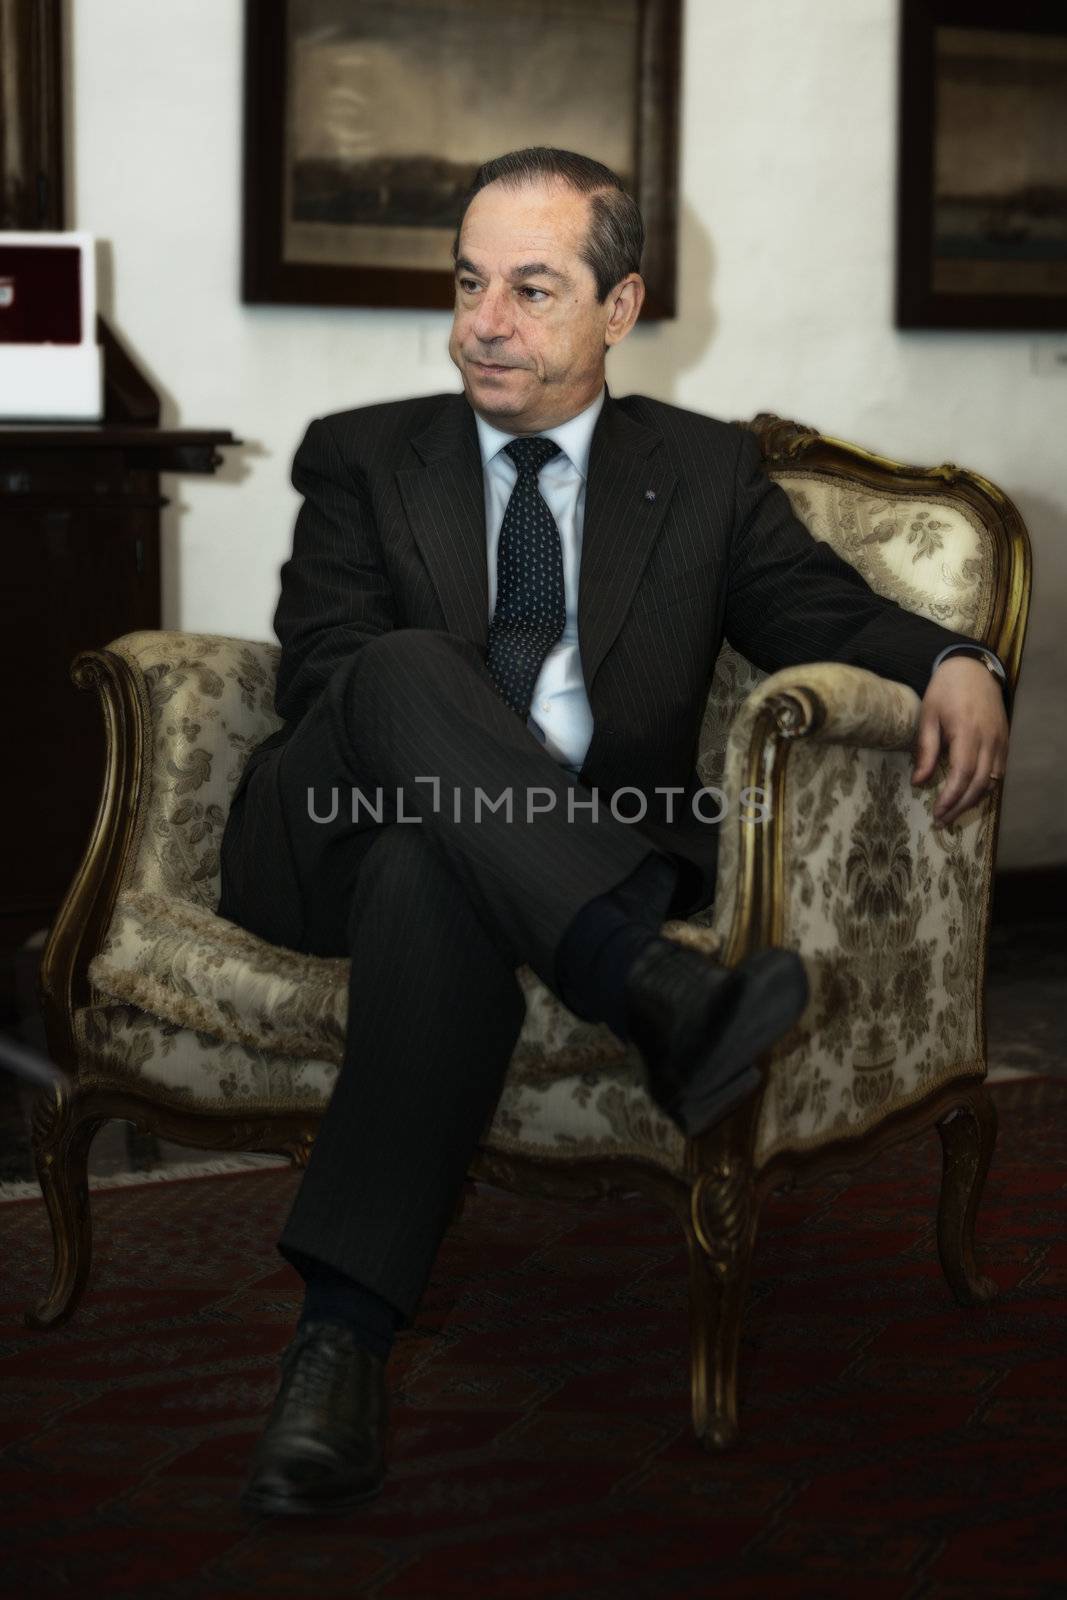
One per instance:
[(616, 235)]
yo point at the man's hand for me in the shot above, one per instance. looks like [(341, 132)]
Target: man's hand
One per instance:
[(962, 710)]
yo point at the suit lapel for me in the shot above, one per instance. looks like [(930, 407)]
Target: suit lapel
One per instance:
[(445, 503), (627, 494)]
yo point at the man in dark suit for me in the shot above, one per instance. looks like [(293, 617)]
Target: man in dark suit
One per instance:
[(499, 625)]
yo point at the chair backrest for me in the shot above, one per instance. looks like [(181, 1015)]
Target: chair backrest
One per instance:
[(940, 541)]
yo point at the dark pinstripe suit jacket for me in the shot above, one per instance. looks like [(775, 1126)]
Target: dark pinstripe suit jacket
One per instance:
[(685, 541)]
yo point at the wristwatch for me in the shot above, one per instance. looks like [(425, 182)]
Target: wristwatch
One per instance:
[(988, 659)]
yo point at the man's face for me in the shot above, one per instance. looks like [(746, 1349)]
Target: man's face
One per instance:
[(528, 334)]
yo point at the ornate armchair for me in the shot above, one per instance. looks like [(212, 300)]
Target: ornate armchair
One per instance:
[(171, 1017)]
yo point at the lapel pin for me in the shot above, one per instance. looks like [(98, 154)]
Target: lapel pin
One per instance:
[(650, 494)]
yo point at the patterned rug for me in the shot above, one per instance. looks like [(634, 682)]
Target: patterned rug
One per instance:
[(893, 1444)]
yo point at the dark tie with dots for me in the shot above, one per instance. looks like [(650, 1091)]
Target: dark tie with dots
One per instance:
[(531, 607)]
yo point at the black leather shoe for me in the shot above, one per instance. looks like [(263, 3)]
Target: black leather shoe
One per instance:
[(323, 1449), (700, 1026)]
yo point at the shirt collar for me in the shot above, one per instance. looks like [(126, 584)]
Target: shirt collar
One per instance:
[(575, 438)]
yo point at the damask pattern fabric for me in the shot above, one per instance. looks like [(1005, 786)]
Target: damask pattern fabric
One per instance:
[(886, 911), (207, 702), (932, 556)]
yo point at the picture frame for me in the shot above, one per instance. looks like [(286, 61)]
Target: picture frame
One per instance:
[(982, 172), (31, 117), (364, 124)]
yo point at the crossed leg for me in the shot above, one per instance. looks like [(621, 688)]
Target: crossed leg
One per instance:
[(435, 915)]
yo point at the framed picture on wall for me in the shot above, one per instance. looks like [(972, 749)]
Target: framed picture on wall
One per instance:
[(982, 183), (365, 123)]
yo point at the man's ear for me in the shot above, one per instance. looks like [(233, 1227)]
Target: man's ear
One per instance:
[(624, 307)]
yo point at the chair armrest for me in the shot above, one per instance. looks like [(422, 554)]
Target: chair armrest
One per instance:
[(833, 704), (817, 703), (181, 712), (888, 912)]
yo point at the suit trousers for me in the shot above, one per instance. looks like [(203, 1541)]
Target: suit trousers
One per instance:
[(359, 836)]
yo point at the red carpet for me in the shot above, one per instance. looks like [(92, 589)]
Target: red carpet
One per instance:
[(894, 1445)]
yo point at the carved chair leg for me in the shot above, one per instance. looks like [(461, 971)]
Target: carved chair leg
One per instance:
[(968, 1135), (720, 1231), (62, 1134)]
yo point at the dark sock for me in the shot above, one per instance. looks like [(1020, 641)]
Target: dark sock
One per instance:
[(606, 937), (647, 893), (331, 1296)]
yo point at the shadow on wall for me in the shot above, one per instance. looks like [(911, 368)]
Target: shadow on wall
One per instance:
[(657, 353), (1032, 818), (169, 415)]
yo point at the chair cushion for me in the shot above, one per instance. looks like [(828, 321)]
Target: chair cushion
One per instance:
[(215, 1017), (550, 1108), (189, 966)]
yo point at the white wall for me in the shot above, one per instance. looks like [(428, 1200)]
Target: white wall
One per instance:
[(788, 165)]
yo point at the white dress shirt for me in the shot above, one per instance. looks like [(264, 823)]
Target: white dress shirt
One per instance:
[(559, 708)]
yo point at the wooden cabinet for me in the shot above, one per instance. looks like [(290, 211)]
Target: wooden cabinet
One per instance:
[(79, 540)]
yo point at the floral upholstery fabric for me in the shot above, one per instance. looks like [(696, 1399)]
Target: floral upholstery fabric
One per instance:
[(586, 1098), (180, 961), (126, 1044), (888, 914), (217, 1017), (208, 702), (931, 555)]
